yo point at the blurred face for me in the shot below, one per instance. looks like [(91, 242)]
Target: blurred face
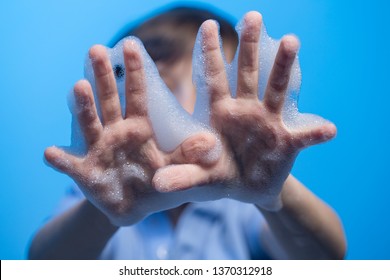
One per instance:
[(178, 77)]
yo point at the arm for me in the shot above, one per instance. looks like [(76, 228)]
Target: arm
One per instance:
[(80, 233), (304, 228)]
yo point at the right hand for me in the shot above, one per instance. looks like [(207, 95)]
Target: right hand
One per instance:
[(122, 155)]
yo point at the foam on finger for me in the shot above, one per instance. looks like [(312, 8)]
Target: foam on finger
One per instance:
[(171, 123), (267, 49)]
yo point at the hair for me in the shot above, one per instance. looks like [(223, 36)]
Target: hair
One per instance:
[(170, 35)]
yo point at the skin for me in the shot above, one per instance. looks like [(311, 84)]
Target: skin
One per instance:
[(299, 225)]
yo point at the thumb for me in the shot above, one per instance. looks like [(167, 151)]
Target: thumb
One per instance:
[(202, 148), (178, 177)]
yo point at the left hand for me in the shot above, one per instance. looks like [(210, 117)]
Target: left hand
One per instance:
[(253, 134)]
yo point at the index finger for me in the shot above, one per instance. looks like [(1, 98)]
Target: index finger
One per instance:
[(215, 68)]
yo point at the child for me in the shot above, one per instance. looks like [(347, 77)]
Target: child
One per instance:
[(268, 216)]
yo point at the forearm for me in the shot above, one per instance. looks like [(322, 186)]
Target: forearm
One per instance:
[(80, 233), (305, 227)]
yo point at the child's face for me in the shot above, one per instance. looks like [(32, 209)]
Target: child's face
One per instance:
[(178, 77)]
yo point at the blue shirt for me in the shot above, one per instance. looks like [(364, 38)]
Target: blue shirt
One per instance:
[(222, 229)]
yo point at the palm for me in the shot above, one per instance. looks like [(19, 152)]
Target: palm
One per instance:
[(127, 176), (118, 171), (263, 147)]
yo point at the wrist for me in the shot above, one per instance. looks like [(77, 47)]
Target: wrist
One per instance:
[(99, 220), (272, 199), (269, 203)]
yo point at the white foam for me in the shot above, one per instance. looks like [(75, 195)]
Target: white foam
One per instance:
[(267, 49), (171, 123)]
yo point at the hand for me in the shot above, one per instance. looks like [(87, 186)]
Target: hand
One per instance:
[(122, 155), (264, 148)]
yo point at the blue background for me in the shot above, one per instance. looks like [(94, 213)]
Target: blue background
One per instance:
[(345, 64)]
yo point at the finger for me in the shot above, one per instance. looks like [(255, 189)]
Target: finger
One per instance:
[(86, 112), (215, 68), (135, 80), (62, 161), (202, 148), (280, 74), (105, 85), (248, 57), (179, 177), (313, 136)]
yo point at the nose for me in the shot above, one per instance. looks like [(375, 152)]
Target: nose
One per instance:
[(185, 93)]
